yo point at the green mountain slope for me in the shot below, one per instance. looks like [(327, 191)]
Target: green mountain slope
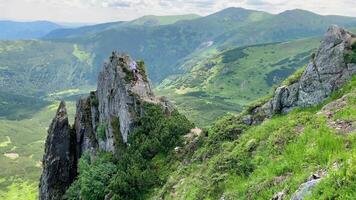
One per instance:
[(228, 81), (27, 67), (164, 48), (278, 155), (41, 67), (245, 156)]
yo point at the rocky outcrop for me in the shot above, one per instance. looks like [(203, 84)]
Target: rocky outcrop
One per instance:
[(120, 99), (102, 121), (306, 188), (326, 72), (85, 125), (59, 161)]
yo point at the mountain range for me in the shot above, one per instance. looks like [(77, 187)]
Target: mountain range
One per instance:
[(11, 30), (173, 47), (125, 143), (207, 66)]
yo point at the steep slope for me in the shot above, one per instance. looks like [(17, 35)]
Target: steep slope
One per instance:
[(11, 30), (105, 122), (259, 154), (306, 154), (230, 80)]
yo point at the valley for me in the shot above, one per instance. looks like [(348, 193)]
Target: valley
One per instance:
[(214, 69)]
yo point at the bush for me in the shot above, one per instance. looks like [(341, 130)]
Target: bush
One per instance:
[(94, 176), (132, 173), (157, 134)]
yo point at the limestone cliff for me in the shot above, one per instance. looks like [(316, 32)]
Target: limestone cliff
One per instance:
[(102, 121)]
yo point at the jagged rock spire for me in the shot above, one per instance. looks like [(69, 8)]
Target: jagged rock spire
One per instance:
[(102, 121), (59, 162), (120, 96)]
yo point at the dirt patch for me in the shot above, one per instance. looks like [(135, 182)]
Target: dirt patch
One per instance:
[(12, 156), (329, 110)]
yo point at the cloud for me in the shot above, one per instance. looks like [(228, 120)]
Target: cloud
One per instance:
[(116, 10)]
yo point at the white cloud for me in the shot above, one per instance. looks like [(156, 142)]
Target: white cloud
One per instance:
[(115, 10)]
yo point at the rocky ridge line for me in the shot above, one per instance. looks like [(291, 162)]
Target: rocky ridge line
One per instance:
[(103, 120)]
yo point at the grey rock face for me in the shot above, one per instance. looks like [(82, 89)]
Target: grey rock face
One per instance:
[(107, 116), (59, 161), (305, 189), (84, 125), (120, 99), (326, 72)]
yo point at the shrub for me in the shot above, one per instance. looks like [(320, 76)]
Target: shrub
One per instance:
[(142, 69), (101, 131), (94, 176), (132, 173)]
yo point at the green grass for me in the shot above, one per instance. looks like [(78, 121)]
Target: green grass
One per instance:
[(83, 56), (231, 80), (280, 154), (24, 138)]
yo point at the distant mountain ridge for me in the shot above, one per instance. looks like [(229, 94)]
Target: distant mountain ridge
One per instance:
[(166, 47), (169, 50), (12, 30)]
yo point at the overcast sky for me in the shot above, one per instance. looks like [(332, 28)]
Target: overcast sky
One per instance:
[(94, 11)]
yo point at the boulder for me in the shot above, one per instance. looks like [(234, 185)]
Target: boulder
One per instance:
[(326, 72)]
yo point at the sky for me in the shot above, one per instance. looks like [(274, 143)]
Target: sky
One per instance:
[(96, 11)]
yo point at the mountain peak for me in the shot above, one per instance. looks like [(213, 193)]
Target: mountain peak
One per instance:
[(297, 12), (234, 10)]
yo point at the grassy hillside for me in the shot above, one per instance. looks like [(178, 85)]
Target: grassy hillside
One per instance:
[(21, 150), (39, 67), (278, 155), (228, 81)]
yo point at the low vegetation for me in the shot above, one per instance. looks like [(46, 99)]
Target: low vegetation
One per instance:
[(141, 164), (350, 57), (278, 155), (233, 79)]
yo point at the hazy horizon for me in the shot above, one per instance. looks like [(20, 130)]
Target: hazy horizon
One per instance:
[(101, 11)]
